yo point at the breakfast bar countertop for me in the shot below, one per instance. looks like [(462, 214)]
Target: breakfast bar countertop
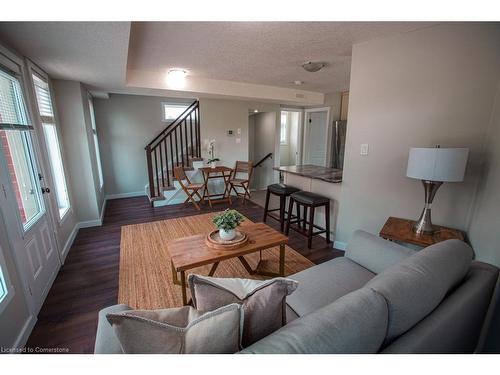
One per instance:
[(313, 171)]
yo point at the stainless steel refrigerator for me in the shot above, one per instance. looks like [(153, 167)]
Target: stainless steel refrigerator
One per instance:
[(338, 143)]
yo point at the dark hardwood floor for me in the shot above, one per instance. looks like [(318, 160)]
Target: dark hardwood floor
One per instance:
[(88, 281)]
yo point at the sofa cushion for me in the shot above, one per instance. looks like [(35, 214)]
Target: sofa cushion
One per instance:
[(355, 323), (322, 284), (416, 285), (263, 301), (375, 253), (106, 341), (179, 330)]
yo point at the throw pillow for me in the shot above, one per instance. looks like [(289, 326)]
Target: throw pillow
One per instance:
[(264, 302), (179, 330)]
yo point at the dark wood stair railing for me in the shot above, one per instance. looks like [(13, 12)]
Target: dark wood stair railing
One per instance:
[(259, 163), (176, 145)]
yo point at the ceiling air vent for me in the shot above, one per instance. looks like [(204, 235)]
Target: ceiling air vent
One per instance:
[(300, 96)]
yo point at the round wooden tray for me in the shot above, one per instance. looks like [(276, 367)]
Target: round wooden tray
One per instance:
[(214, 241)]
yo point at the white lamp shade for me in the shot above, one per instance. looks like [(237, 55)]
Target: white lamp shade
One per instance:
[(437, 164)]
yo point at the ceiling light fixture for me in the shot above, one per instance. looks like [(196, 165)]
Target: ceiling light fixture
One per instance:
[(255, 111), (176, 78), (312, 67), (298, 83)]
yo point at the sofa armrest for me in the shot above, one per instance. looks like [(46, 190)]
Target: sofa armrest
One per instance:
[(106, 341), (375, 253)]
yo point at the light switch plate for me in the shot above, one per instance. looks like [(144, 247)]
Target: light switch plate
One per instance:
[(238, 140), (238, 131), (364, 149)]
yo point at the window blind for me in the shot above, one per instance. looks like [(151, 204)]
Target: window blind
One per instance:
[(43, 99), (12, 113)]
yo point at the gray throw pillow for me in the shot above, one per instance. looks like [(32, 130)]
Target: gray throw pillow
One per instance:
[(417, 285), (264, 302), (179, 330)]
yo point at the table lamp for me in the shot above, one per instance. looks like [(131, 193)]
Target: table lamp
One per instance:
[(434, 166)]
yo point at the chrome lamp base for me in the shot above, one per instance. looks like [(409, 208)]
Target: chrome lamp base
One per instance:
[(424, 223)]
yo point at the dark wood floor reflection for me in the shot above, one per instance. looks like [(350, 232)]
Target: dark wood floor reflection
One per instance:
[(88, 281)]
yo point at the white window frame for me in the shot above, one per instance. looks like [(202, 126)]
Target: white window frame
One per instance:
[(286, 140), (5, 280), (34, 69), (95, 141), (172, 105)]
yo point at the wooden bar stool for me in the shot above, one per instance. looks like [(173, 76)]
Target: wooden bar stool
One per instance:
[(283, 191), (308, 201)]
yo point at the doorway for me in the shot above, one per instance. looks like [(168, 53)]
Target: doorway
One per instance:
[(290, 137), (261, 151), (316, 136)]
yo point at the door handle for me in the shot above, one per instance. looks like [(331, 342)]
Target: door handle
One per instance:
[(45, 190)]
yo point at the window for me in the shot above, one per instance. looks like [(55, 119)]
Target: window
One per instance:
[(96, 143), (284, 128), (172, 110), (15, 135), (44, 101)]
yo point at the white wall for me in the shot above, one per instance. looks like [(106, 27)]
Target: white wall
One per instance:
[(428, 87)]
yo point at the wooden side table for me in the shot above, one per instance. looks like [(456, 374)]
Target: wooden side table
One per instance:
[(217, 172), (397, 229)]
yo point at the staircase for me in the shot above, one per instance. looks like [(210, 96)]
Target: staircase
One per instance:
[(179, 144)]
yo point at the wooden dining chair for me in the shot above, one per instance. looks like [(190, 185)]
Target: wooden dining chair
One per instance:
[(189, 188), (241, 167)]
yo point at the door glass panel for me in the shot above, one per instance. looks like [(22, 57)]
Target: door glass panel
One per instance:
[(49, 130), (18, 154)]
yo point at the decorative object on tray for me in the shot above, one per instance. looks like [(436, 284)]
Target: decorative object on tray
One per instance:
[(212, 160), (227, 222), (215, 241)]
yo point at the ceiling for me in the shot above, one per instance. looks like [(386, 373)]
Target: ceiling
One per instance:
[(227, 58), (268, 53)]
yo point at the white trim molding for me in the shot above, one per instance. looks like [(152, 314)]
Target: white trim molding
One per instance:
[(126, 195), (339, 245), (69, 243)]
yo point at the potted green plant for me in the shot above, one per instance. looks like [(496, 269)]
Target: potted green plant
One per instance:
[(227, 222)]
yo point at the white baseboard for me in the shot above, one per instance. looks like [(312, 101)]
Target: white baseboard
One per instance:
[(25, 333), (339, 245), (69, 242), (89, 223), (125, 195)]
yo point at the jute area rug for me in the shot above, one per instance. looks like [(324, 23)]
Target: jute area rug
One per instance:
[(145, 271)]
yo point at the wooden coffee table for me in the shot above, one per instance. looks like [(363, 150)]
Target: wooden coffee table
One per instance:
[(191, 252)]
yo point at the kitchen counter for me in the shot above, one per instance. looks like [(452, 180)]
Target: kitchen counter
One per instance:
[(331, 175)]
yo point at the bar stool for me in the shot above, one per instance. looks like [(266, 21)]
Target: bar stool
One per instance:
[(309, 201), (283, 191)]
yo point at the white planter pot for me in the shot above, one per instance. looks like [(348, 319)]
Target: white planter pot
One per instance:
[(227, 235), (213, 164)]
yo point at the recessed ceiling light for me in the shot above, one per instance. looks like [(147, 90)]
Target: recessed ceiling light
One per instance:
[(255, 111), (176, 78), (312, 66), (298, 83)]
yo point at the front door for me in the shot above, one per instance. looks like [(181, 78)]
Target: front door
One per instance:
[(23, 195)]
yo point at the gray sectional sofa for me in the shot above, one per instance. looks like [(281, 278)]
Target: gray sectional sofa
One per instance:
[(380, 298)]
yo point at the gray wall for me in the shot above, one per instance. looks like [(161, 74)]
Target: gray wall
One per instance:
[(484, 232), (419, 89), (126, 123), (264, 142), (71, 106)]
